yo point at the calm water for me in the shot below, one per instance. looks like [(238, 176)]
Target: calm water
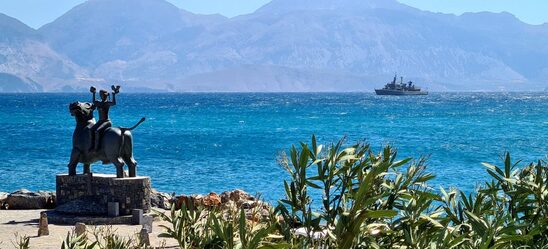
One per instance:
[(196, 143)]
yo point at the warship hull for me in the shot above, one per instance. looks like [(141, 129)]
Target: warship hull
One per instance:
[(399, 92)]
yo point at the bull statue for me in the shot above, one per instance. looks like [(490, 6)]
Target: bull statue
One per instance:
[(99, 141)]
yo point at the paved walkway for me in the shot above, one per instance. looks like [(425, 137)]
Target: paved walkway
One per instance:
[(25, 222)]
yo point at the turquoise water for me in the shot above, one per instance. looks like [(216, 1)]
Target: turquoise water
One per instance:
[(196, 143)]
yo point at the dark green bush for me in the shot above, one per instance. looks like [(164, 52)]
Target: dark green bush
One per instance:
[(368, 200), (373, 200)]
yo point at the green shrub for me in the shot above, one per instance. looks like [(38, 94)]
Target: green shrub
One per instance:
[(368, 200), (373, 200), (199, 227), (21, 242)]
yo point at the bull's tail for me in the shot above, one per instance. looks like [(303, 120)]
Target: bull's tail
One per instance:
[(124, 129)]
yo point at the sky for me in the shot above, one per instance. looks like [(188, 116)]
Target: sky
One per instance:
[(36, 13)]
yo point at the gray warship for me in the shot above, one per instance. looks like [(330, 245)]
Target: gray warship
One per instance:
[(401, 88)]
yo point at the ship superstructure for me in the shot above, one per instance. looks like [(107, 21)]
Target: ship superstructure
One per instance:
[(394, 88)]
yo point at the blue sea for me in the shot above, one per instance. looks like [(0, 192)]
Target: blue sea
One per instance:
[(197, 143)]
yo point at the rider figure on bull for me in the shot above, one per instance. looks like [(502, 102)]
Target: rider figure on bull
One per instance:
[(103, 105)]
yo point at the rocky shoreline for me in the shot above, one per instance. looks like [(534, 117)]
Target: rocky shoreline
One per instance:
[(24, 199)]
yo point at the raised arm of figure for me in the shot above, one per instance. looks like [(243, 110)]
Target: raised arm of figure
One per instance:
[(93, 90), (116, 90)]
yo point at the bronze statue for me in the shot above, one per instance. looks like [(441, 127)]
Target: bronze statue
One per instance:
[(92, 142)]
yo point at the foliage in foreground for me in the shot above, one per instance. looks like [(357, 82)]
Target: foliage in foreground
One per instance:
[(98, 238), (368, 200), (372, 200), (197, 227)]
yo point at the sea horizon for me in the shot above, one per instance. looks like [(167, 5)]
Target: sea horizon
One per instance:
[(195, 143), (282, 92)]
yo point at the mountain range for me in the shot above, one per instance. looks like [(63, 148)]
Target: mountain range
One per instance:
[(285, 46)]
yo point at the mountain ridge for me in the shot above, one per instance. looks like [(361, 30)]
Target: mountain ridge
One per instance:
[(27, 61), (281, 6), (15, 29), (358, 44)]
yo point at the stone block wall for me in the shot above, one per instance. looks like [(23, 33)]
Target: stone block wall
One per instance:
[(80, 193)]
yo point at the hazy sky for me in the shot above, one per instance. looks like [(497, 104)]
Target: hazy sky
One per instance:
[(36, 13)]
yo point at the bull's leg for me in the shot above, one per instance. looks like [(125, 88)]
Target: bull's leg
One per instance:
[(88, 133), (87, 168), (119, 167), (132, 166), (72, 169), (74, 155)]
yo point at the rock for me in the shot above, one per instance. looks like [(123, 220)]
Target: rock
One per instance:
[(197, 200), (80, 229), (238, 195), (252, 217), (188, 201), (256, 210), (3, 197), (315, 235), (181, 200), (24, 199), (147, 223), (225, 197), (212, 200), (144, 239), (248, 204), (229, 205), (228, 200), (265, 212), (235, 196), (160, 200), (257, 214), (43, 225)]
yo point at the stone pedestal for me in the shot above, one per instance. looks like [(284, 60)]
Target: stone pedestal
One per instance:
[(89, 194)]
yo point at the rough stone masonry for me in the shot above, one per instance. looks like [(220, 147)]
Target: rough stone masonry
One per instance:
[(89, 194)]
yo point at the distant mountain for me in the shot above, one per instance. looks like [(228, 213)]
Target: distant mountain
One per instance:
[(13, 30), (102, 31), (25, 60), (305, 45), (99, 31), (285, 6), (10, 83)]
